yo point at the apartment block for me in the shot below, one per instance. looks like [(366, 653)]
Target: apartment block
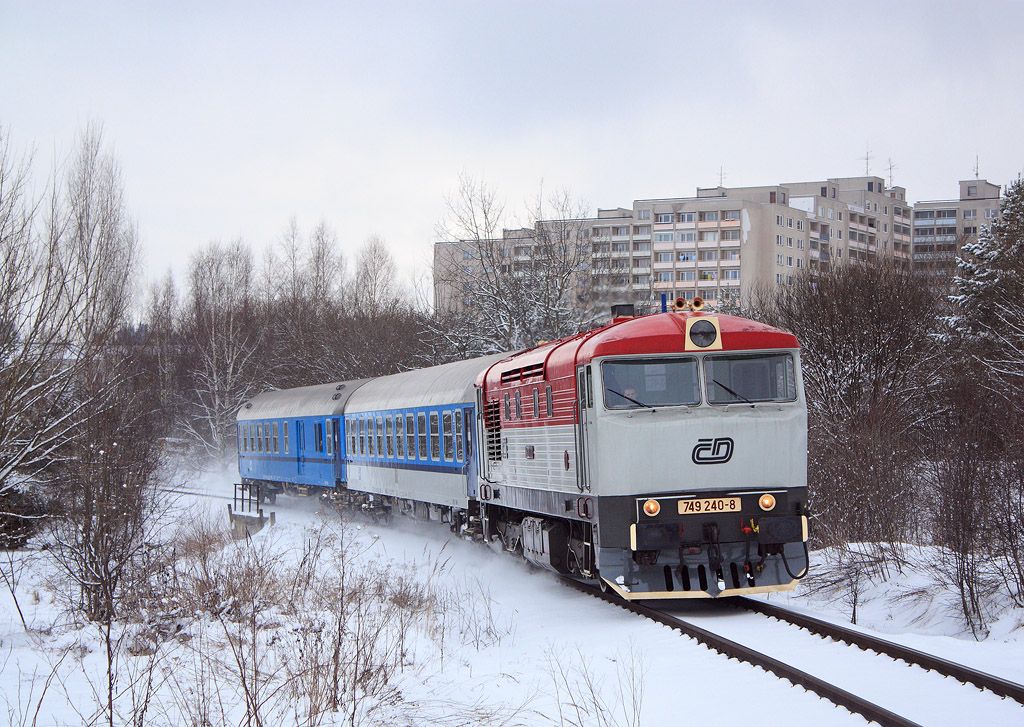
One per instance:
[(720, 244), (942, 227)]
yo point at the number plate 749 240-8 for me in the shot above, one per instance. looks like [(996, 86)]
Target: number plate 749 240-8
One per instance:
[(711, 504)]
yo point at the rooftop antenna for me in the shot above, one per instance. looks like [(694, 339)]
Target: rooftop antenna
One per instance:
[(867, 161), (977, 166), (891, 167), (721, 176)]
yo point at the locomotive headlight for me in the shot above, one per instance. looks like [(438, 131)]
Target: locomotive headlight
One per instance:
[(703, 333), (652, 507), (766, 502)]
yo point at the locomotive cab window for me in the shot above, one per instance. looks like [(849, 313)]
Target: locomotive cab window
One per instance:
[(750, 378), (649, 383)]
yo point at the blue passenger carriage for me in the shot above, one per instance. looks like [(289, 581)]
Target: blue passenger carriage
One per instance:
[(295, 438)]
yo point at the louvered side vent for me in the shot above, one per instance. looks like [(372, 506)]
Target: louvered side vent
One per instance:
[(492, 425), (521, 374)]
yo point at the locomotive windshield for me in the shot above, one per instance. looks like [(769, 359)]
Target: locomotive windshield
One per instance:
[(649, 383), (750, 378)]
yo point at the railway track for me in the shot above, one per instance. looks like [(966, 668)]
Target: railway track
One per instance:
[(196, 493), (856, 703), (912, 657)]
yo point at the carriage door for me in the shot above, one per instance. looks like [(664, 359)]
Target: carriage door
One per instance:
[(339, 450), (334, 448), (468, 449), (300, 446), (584, 407)]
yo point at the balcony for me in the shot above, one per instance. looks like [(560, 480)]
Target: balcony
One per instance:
[(707, 244)]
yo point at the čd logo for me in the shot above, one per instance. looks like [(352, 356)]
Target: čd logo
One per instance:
[(713, 451)]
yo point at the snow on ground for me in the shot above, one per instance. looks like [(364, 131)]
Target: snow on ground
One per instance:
[(546, 641)]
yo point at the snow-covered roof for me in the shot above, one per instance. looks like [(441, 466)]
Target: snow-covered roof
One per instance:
[(446, 384), (304, 401)]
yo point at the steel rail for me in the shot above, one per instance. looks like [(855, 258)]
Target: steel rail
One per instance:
[(840, 697), (980, 679)]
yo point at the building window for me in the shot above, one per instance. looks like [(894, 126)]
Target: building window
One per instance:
[(685, 217), (778, 239), (687, 257), (666, 257), (641, 247), (778, 220), (663, 237), (687, 237), (708, 255), (643, 214), (730, 235), (709, 236), (972, 190), (663, 218), (731, 274), (780, 260), (824, 191), (710, 216), (620, 231), (709, 275), (731, 215), (641, 230), (686, 276), (664, 277), (789, 261), (771, 198), (970, 214)]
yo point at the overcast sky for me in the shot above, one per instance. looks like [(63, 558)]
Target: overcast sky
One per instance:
[(229, 118)]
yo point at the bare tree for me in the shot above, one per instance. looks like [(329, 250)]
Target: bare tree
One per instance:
[(65, 288), (224, 334), (508, 289), (373, 288)]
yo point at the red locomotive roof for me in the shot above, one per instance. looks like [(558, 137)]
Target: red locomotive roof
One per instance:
[(653, 334)]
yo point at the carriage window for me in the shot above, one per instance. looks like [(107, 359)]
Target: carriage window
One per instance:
[(252, 439), (449, 436), (350, 425), (275, 449), (285, 425), (536, 402), (421, 428), (550, 401), (458, 437), (331, 428), (380, 436), (266, 437), (410, 435), (399, 436), (435, 439), (390, 436), (362, 436), (746, 379), (370, 437), (647, 383), (519, 405)]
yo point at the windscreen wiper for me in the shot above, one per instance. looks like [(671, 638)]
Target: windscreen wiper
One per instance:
[(628, 398), (734, 393)]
